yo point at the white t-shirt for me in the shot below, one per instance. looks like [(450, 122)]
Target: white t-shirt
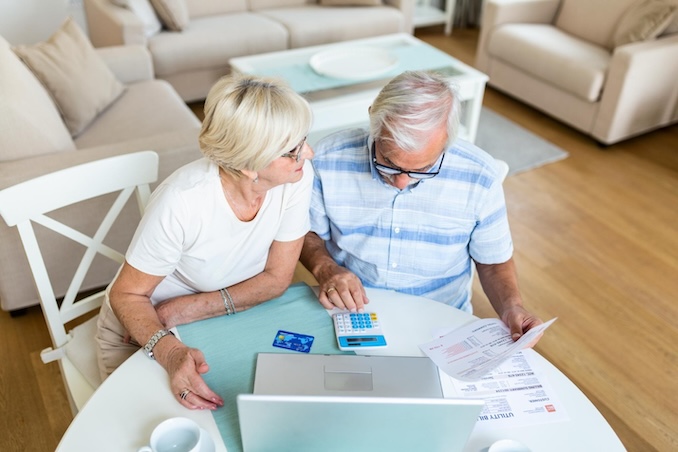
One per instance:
[(190, 234)]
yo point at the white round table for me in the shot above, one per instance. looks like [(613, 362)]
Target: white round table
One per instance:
[(136, 397)]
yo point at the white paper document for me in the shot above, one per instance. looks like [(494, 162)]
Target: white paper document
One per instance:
[(517, 393), (475, 349)]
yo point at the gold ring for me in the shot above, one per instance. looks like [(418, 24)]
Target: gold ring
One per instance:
[(183, 394), (331, 289)]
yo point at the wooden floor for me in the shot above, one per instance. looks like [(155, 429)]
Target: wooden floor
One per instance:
[(596, 245)]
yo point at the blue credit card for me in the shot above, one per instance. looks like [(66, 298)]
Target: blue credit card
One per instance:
[(293, 341)]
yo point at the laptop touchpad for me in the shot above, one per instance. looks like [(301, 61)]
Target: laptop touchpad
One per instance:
[(348, 378)]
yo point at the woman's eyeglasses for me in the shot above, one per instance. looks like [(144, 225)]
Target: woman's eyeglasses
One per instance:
[(390, 171), (296, 152)]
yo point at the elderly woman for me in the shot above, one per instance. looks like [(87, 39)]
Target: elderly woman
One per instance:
[(220, 235)]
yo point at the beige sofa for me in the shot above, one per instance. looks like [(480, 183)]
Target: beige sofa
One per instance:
[(34, 140), (213, 31), (608, 68)]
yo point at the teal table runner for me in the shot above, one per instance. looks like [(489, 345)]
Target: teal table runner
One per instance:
[(231, 344), (302, 78)]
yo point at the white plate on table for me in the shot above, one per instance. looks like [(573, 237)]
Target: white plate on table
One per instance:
[(353, 63)]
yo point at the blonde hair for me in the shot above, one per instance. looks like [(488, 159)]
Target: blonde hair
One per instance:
[(250, 121), (412, 105)]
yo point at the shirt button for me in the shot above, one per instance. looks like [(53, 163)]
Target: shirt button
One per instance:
[(394, 264), (397, 230)]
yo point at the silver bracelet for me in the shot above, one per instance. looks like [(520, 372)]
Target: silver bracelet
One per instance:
[(148, 348), (228, 301)]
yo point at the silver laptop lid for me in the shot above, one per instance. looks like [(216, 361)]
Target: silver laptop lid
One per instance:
[(346, 375), (355, 424)]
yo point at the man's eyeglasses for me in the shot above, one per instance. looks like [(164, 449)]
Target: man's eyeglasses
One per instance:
[(390, 171), (296, 152)]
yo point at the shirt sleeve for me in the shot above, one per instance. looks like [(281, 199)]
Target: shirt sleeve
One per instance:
[(156, 247), (491, 241)]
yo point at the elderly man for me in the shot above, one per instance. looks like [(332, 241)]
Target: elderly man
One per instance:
[(406, 206)]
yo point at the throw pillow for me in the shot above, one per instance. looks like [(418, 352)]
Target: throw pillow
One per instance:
[(79, 81), (30, 123), (351, 2), (172, 13), (144, 11), (644, 20)]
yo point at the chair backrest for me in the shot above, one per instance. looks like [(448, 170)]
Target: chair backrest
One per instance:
[(31, 201)]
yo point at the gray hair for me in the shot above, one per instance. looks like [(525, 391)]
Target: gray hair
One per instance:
[(412, 105), (250, 121)]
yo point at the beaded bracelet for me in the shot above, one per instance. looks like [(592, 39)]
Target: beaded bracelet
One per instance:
[(228, 301)]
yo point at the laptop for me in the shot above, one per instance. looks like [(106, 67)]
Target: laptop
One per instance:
[(346, 375), (352, 403)]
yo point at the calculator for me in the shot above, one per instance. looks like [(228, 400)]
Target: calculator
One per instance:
[(358, 330)]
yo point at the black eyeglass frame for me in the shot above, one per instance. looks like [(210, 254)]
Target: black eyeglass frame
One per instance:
[(295, 153), (391, 171)]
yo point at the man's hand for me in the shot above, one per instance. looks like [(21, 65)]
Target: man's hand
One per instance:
[(519, 321), (342, 289)]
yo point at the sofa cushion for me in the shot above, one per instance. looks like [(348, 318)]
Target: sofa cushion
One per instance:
[(145, 12), (543, 51), (592, 21), (209, 42), (256, 5), (314, 25), (77, 78), (147, 108), (673, 26), (30, 123), (351, 2), (200, 8), (172, 13), (644, 20)]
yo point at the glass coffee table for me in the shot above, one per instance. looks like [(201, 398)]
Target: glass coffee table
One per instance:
[(341, 80)]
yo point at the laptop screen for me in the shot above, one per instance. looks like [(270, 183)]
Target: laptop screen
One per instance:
[(355, 424)]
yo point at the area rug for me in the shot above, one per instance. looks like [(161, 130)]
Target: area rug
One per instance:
[(519, 148)]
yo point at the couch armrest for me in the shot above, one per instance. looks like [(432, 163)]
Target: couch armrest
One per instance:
[(175, 149), (640, 92), (130, 64), (407, 8), (111, 25), (498, 12)]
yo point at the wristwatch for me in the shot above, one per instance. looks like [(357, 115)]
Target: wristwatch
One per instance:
[(148, 348)]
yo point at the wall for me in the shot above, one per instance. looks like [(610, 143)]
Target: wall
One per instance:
[(30, 21)]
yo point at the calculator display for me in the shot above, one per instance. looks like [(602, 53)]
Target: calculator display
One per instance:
[(358, 330)]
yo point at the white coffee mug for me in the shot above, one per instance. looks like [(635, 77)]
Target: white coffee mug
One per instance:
[(177, 434)]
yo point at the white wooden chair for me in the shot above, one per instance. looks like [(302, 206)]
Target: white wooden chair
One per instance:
[(30, 202)]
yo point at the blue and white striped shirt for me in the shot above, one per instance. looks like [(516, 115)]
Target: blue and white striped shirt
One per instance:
[(419, 240)]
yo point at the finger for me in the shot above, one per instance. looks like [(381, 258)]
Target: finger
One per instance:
[(364, 292), (330, 298), (193, 401), (343, 298), (198, 384), (324, 301), (360, 299)]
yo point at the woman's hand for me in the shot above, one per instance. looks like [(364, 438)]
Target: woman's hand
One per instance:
[(185, 366)]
